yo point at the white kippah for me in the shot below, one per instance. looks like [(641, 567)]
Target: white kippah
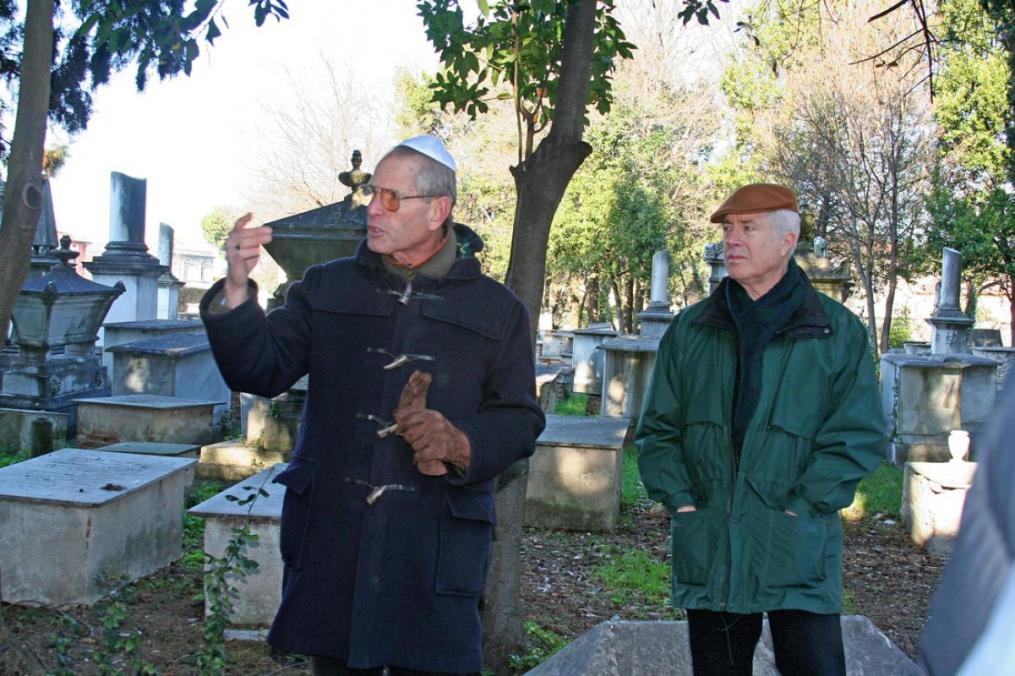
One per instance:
[(432, 147)]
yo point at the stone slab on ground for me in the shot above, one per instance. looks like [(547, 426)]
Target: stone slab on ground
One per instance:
[(74, 516), (145, 417), (660, 649), (235, 460), (575, 474), (162, 450), (258, 594)]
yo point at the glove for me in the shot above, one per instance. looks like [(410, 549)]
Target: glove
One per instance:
[(434, 440)]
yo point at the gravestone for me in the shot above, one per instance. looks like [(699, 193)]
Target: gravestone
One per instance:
[(74, 517), (258, 594), (661, 649), (145, 417), (627, 367), (587, 359), (16, 427), (168, 304), (161, 450), (575, 474)]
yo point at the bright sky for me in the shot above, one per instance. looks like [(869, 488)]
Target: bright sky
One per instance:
[(191, 137)]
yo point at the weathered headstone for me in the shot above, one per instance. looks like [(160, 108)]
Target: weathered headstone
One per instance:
[(145, 417)]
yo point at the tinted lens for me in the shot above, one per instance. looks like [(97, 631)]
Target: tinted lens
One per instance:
[(389, 200)]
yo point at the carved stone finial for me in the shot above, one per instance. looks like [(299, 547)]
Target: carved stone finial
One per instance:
[(357, 177), (65, 253)]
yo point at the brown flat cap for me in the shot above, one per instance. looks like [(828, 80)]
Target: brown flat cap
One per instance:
[(756, 198)]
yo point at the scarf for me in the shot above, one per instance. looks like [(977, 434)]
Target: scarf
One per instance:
[(757, 322)]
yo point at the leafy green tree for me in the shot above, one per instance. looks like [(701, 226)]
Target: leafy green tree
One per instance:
[(217, 224), (55, 72), (971, 206)]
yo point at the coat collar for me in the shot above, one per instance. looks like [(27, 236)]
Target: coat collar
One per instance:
[(466, 266), (810, 321)]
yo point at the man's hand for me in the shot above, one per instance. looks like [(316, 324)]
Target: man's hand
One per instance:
[(243, 249), (434, 440), (686, 508)]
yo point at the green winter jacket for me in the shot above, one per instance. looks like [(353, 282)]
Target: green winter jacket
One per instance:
[(817, 430)]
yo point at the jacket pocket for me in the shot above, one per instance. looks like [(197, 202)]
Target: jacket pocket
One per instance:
[(466, 528), (693, 546), (791, 548), (298, 478)]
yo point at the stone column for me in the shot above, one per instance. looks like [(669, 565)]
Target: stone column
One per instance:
[(950, 334), (169, 285), (656, 317)]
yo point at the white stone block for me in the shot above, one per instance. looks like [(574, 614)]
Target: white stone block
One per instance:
[(74, 516), (260, 592)]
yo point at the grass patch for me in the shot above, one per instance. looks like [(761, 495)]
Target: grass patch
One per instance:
[(543, 643), (879, 493), (193, 526), (574, 404), (632, 490), (8, 457), (636, 577)]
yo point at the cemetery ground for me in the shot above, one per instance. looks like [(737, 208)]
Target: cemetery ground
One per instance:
[(571, 581)]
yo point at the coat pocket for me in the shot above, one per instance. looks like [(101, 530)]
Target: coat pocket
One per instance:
[(466, 528), (693, 546), (298, 478), (792, 548)]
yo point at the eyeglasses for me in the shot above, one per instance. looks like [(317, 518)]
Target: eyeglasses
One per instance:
[(390, 199)]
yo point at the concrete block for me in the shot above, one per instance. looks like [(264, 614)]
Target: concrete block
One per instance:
[(74, 516), (933, 495), (235, 460), (260, 592), (575, 474), (145, 417), (661, 649)]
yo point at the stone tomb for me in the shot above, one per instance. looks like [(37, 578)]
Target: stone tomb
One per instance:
[(19, 429), (575, 474), (145, 417), (661, 649), (74, 517), (259, 594), (173, 365)]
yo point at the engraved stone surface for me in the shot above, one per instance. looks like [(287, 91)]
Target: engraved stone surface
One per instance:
[(71, 517), (575, 474)]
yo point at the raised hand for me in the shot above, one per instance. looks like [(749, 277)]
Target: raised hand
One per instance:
[(243, 250)]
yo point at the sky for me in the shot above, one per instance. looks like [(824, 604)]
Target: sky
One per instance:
[(192, 137)]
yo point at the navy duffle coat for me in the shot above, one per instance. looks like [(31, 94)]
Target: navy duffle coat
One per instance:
[(397, 581)]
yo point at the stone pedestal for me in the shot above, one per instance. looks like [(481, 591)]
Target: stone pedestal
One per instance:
[(258, 594), (587, 359), (627, 367), (145, 417), (1004, 357), (74, 516), (173, 365), (933, 494), (575, 474), (926, 396)]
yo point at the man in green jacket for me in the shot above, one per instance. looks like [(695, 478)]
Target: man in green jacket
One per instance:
[(761, 417)]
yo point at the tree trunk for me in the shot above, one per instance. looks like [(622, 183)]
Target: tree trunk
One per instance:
[(540, 182), (23, 193)]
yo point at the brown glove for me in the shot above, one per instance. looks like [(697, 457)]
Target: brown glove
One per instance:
[(434, 440)]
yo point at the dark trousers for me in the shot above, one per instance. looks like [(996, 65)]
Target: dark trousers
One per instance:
[(329, 666), (806, 644)]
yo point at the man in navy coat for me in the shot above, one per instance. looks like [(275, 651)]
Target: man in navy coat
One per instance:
[(421, 391)]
